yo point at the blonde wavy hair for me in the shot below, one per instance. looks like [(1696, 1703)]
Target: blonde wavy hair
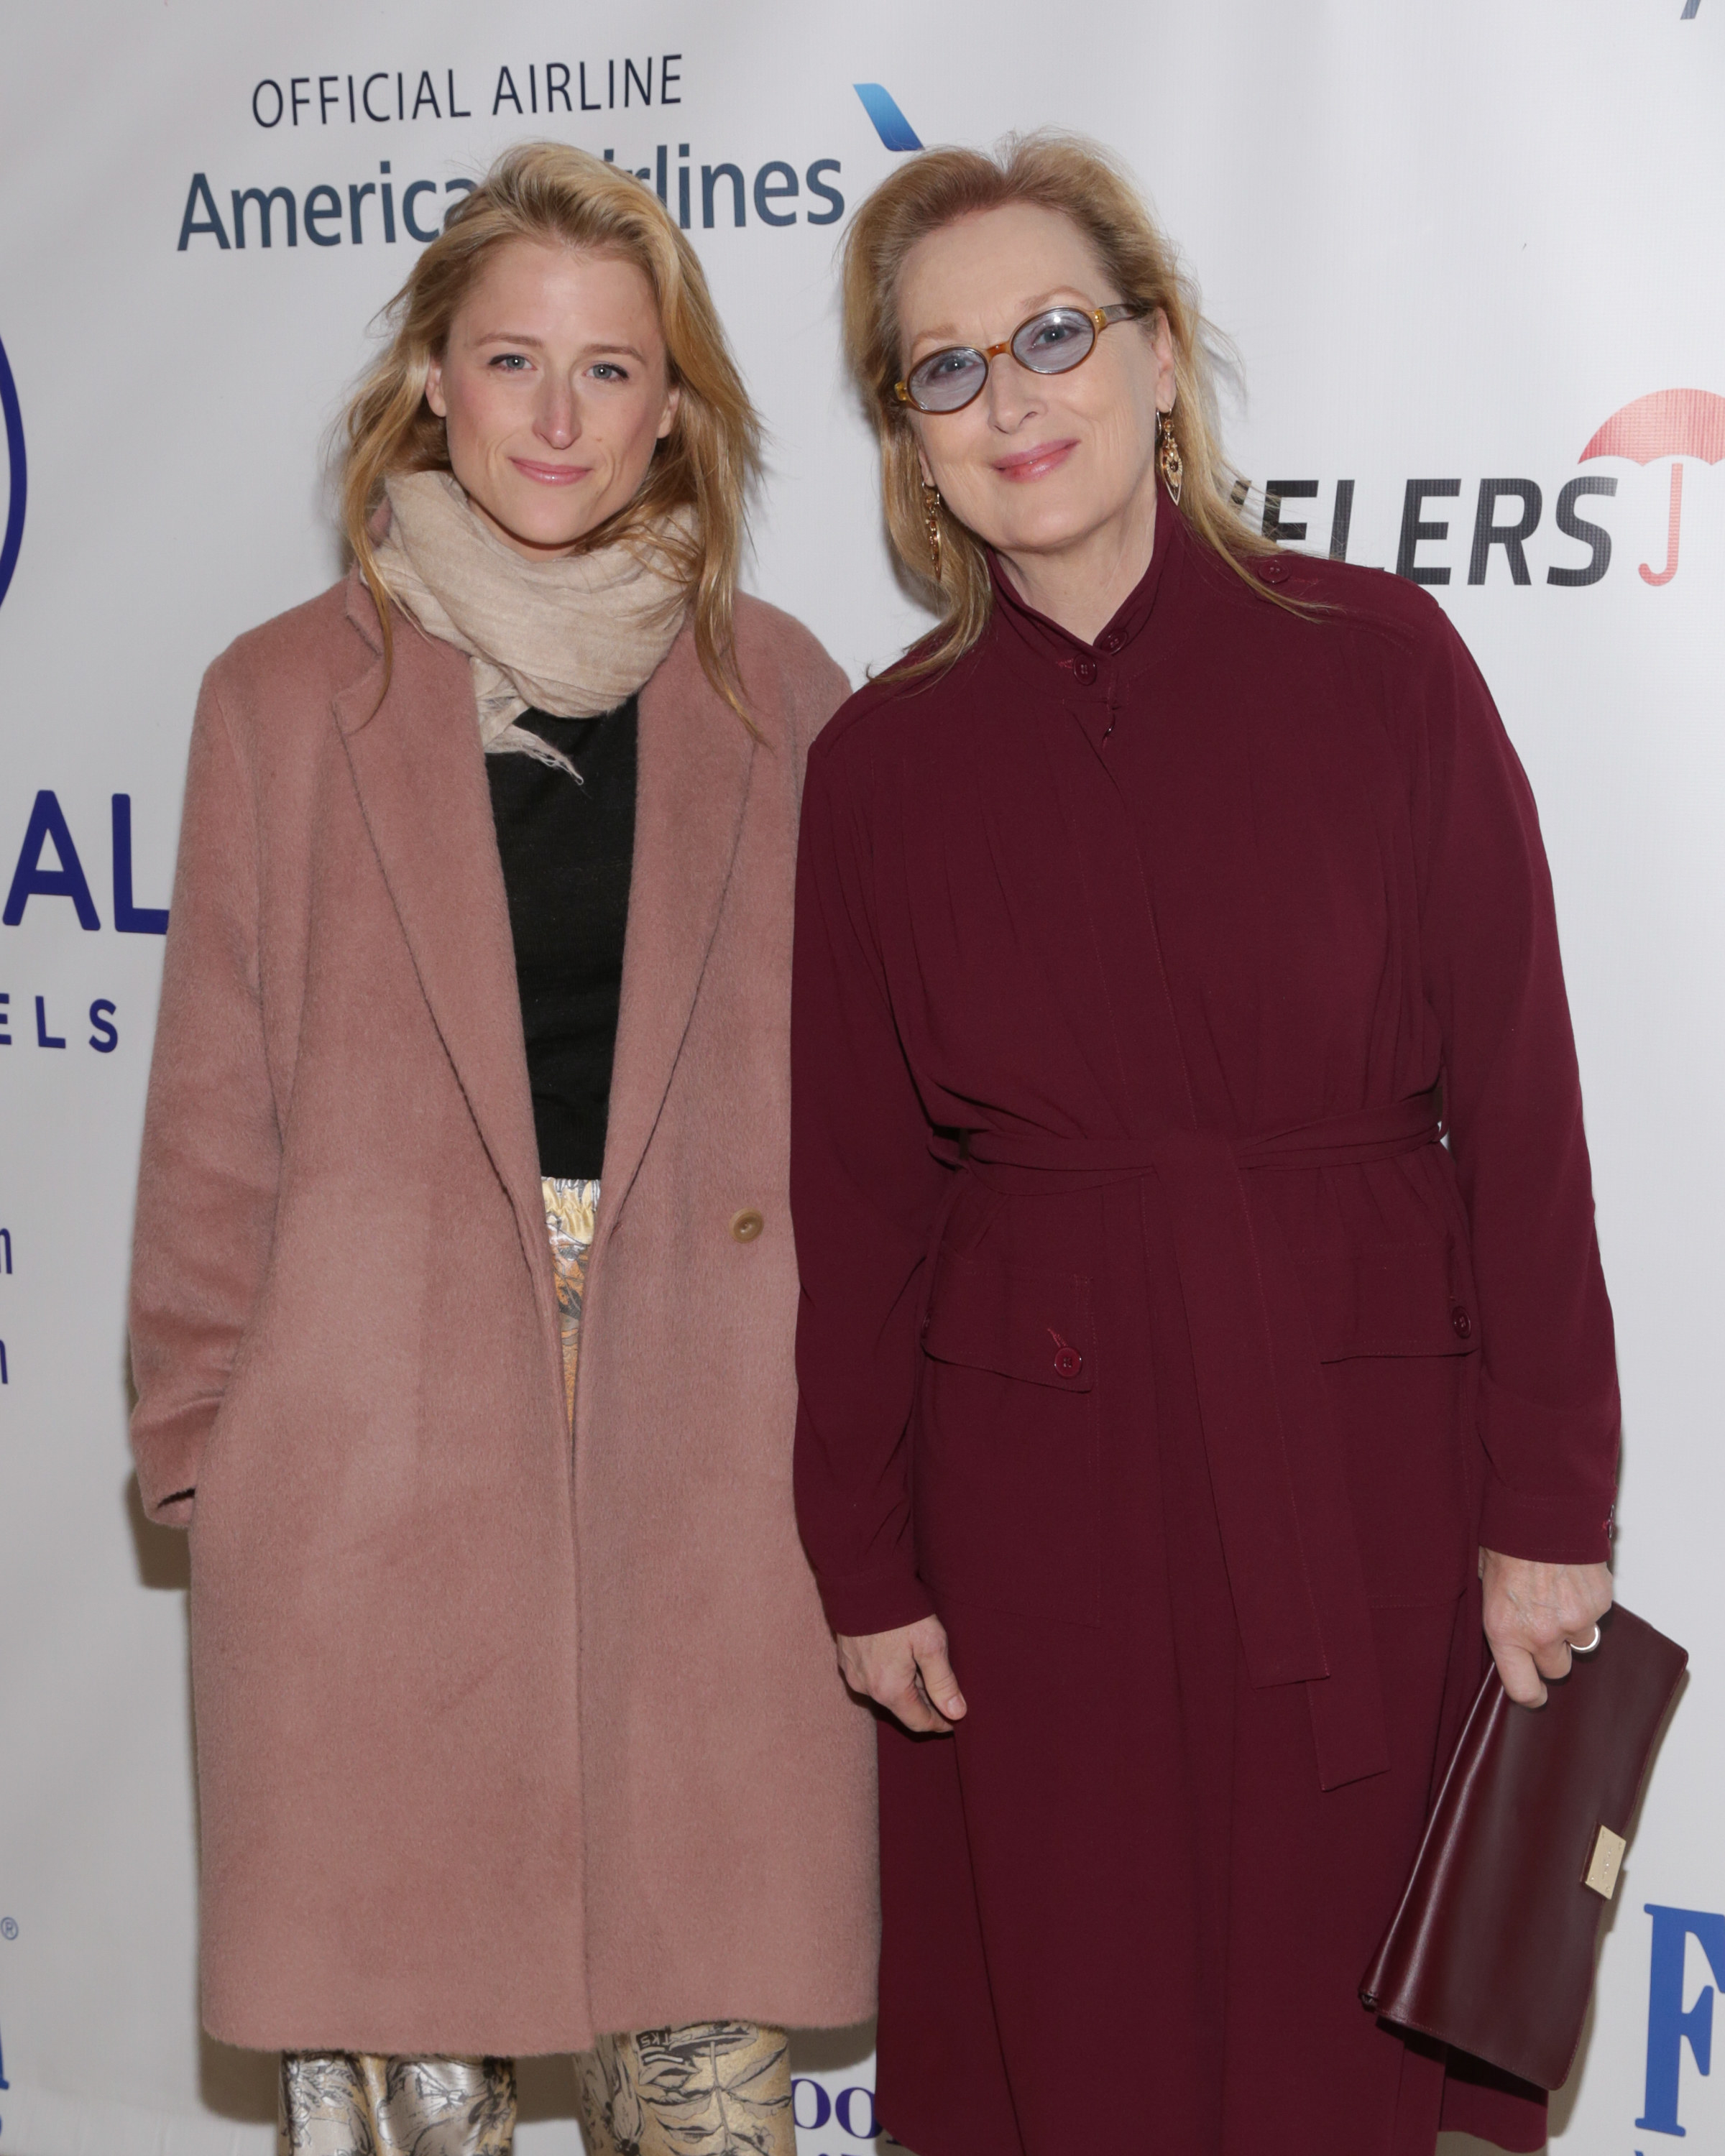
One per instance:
[(1083, 182), (562, 197)]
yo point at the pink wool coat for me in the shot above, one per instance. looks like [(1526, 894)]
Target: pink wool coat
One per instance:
[(500, 1743)]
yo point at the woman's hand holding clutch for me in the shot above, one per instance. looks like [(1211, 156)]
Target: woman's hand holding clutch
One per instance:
[(1537, 1615)]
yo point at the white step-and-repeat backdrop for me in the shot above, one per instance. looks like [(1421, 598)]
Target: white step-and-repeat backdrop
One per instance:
[(1472, 258)]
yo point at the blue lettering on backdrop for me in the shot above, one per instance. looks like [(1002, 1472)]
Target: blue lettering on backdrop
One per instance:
[(210, 222), (1669, 2028), (12, 534), (265, 202), (30, 880), (852, 2111), (818, 186), (321, 209), (410, 196), (104, 1039), (271, 105), (844, 2111), (318, 213), (129, 919), (822, 2104), (775, 181)]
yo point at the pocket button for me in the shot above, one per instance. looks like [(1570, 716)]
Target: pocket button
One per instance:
[(1068, 1362), (1462, 1323)]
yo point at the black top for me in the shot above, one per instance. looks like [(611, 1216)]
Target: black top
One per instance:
[(567, 853)]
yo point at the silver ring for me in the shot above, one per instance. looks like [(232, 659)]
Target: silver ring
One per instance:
[(1590, 1646)]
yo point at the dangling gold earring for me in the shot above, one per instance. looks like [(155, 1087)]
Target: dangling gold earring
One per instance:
[(931, 524), (1168, 454)]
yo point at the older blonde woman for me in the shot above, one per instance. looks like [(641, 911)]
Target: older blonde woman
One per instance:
[(1180, 1419), (518, 1730)]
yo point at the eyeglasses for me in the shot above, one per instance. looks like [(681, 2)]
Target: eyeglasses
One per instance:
[(1054, 342)]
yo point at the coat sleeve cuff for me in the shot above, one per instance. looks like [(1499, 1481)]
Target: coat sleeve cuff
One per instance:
[(1571, 1529), (167, 1446), (861, 1603), (1551, 1475)]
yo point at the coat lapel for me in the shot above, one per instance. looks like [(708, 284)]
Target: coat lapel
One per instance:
[(692, 782), (419, 772)]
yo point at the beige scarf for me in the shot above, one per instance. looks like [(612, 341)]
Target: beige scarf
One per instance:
[(574, 636)]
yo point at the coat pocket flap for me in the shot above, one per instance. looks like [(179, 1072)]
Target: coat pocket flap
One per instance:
[(1035, 1326), (1387, 1299)]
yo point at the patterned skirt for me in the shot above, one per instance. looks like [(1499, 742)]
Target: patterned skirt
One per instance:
[(710, 2088)]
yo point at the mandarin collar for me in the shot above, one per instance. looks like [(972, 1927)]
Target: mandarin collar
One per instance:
[(1158, 584)]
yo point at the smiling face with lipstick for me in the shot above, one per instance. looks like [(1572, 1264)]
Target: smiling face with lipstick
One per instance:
[(1055, 471), (554, 386)]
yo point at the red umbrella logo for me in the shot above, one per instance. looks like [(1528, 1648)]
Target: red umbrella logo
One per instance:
[(1670, 423)]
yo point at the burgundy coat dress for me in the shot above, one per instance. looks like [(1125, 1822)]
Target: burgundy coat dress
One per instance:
[(1151, 1336)]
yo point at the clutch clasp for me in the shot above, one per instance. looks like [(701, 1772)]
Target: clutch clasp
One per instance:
[(1605, 1863)]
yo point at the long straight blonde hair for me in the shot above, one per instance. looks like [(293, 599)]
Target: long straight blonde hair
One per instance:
[(1083, 182), (562, 197)]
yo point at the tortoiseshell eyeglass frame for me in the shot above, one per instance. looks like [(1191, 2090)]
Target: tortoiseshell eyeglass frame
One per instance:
[(1099, 318)]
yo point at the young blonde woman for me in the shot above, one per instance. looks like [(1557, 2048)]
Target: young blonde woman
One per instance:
[(1181, 1420), (517, 1726)]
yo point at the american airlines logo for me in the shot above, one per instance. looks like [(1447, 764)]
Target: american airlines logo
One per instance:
[(393, 205)]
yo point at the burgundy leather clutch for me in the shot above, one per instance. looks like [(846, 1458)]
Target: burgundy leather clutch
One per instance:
[(1492, 1949)]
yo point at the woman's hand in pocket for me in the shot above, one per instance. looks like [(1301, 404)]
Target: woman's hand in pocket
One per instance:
[(907, 1672)]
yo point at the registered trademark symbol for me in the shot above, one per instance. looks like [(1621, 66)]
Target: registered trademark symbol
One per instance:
[(8, 1927)]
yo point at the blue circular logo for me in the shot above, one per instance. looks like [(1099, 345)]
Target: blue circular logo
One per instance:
[(13, 535)]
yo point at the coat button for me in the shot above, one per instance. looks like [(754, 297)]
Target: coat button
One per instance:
[(1274, 571), (745, 1225), (1068, 1362), (1085, 670), (1110, 642), (1462, 1322)]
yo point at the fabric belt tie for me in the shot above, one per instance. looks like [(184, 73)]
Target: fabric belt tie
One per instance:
[(1275, 1460)]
